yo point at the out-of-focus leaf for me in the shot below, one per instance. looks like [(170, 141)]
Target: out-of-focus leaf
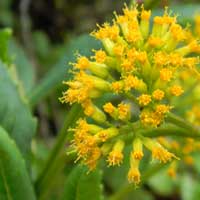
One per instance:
[(15, 115), (41, 42), (161, 183), (24, 68), (83, 186), (15, 183), (83, 45), (139, 194), (189, 187), (4, 38)]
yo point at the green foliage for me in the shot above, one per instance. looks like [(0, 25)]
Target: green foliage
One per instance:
[(15, 115), (161, 183), (24, 68), (4, 38), (83, 186), (15, 183), (189, 187)]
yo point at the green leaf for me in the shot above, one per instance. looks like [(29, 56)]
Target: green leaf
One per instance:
[(24, 68), (15, 115), (189, 187), (83, 186), (83, 45), (15, 183), (4, 38), (161, 183), (139, 194)]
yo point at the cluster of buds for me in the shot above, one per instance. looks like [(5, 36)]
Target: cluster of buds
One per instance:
[(139, 69)]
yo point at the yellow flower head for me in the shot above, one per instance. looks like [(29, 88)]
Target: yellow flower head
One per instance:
[(129, 86)]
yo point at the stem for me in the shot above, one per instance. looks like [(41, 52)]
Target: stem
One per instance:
[(51, 163), (170, 130), (124, 191), (172, 118)]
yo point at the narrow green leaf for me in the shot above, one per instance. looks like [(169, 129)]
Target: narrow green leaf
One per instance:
[(24, 68), (4, 38), (15, 183), (83, 186), (15, 115), (83, 45)]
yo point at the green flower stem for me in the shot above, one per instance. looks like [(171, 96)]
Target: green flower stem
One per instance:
[(54, 173), (124, 191), (178, 121), (169, 129), (127, 133), (51, 164)]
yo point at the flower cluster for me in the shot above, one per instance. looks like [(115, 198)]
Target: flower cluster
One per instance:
[(140, 69)]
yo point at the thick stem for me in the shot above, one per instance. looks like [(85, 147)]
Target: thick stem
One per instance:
[(171, 130), (51, 163), (178, 121)]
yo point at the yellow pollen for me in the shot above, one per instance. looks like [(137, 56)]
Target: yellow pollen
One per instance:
[(117, 86), (118, 50), (130, 13), (88, 107), (115, 158), (107, 31), (124, 111), (130, 82), (158, 94), (160, 58), (165, 74), (142, 57), (132, 54), (194, 46), (155, 41), (144, 99), (103, 135), (145, 15), (82, 63), (177, 32), (162, 109), (127, 65), (158, 20), (175, 59), (161, 154), (176, 90), (100, 56), (150, 118), (109, 108), (134, 175)]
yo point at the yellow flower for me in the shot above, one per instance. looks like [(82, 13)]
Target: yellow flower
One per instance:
[(128, 86), (100, 56), (115, 157), (144, 99), (158, 94), (176, 90)]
